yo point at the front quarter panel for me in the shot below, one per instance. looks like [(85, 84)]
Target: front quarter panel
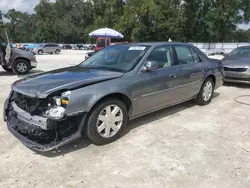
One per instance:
[(83, 99)]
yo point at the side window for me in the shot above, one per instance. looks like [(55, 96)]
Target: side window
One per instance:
[(163, 55), (196, 57), (184, 55), (46, 46)]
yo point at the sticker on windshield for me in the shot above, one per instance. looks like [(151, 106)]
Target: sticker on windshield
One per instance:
[(141, 48)]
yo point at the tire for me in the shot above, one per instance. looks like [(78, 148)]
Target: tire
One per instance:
[(91, 130), (7, 69), (57, 51), (50, 53), (40, 52), (21, 67), (205, 98)]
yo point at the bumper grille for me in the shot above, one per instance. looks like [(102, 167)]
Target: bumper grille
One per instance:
[(235, 69), (31, 105)]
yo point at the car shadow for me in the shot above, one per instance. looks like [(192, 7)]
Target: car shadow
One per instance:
[(5, 73), (216, 94), (71, 147), (133, 124)]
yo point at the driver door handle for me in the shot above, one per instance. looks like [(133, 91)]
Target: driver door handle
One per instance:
[(202, 70), (172, 76)]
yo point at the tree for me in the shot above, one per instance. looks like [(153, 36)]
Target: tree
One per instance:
[(70, 21)]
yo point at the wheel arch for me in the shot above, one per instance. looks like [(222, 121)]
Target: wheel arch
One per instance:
[(117, 95), (21, 58), (213, 78)]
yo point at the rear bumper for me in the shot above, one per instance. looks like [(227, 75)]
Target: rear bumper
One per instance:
[(37, 133)]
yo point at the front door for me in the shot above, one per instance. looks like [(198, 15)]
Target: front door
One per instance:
[(158, 88)]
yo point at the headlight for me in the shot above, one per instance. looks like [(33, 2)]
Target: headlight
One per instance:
[(56, 110)]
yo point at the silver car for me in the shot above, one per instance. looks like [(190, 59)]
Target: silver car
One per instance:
[(46, 48), (18, 61), (99, 96), (237, 65)]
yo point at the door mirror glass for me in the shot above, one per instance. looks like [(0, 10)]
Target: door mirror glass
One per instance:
[(150, 66)]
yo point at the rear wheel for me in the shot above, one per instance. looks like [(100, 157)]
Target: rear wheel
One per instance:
[(7, 69), (206, 92), (107, 121), (57, 51), (40, 52), (21, 67)]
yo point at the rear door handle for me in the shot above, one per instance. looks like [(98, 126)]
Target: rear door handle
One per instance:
[(172, 76), (202, 70)]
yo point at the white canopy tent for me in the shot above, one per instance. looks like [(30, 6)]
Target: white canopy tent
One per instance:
[(107, 33)]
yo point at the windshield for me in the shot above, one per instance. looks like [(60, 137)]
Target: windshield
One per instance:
[(240, 52), (118, 58)]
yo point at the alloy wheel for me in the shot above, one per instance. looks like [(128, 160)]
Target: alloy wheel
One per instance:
[(109, 121), (207, 91), (21, 67)]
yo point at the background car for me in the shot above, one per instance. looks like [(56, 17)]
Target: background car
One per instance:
[(17, 60), (237, 65), (67, 46), (100, 95), (47, 48)]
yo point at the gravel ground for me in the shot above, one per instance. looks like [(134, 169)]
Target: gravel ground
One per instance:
[(183, 146)]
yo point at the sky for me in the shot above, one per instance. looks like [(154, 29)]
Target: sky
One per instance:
[(21, 5), (28, 6)]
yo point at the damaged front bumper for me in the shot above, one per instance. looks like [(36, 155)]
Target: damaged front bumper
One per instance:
[(40, 133)]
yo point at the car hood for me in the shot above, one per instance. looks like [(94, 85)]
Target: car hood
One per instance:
[(41, 85), (236, 62)]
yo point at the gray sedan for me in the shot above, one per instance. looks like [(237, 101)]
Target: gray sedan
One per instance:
[(98, 97), (237, 65)]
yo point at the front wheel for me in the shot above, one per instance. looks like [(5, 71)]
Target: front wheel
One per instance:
[(21, 67), (206, 92), (107, 121)]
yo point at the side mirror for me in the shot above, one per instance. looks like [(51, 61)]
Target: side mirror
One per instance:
[(150, 66)]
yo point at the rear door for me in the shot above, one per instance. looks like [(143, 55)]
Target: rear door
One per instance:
[(46, 48), (192, 70), (49, 48), (54, 47)]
